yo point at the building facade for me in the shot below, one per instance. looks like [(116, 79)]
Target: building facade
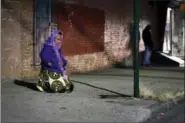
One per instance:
[(96, 32), (174, 40)]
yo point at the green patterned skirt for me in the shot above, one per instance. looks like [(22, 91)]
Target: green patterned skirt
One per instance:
[(53, 82)]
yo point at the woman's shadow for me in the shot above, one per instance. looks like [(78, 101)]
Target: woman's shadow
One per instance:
[(29, 85)]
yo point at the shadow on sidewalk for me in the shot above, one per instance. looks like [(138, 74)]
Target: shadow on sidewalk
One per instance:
[(29, 85), (32, 86), (117, 94)]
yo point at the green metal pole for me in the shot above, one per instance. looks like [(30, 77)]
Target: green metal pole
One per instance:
[(136, 48)]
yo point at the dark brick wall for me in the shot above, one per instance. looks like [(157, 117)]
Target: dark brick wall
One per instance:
[(118, 17), (83, 30), (17, 38), (10, 40), (17, 35)]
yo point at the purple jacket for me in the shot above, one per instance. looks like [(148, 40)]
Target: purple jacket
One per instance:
[(48, 55)]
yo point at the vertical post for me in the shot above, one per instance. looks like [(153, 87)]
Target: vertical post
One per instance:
[(136, 47), (50, 17), (35, 37), (42, 17)]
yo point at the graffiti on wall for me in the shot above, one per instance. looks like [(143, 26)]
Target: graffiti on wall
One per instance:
[(83, 29)]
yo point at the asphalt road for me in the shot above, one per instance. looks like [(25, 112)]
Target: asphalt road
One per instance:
[(175, 115), (97, 97)]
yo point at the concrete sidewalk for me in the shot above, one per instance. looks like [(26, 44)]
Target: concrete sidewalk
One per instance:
[(98, 97)]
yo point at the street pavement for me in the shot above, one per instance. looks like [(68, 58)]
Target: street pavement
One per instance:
[(175, 115), (101, 96)]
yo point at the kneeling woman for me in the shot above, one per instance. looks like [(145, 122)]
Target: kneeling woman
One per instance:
[(53, 75)]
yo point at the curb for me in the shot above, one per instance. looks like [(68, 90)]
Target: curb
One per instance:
[(156, 109), (175, 69), (3, 80)]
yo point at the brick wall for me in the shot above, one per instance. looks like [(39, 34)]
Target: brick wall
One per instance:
[(27, 37), (10, 52), (83, 31), (17, 36), (118, 16)]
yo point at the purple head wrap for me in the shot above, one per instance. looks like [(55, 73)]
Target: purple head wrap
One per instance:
[(51, 41)]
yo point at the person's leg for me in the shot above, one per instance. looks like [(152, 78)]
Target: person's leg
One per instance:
[(56, 82), (39, 86), (147, 56), (69, 84), (43, 84)]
